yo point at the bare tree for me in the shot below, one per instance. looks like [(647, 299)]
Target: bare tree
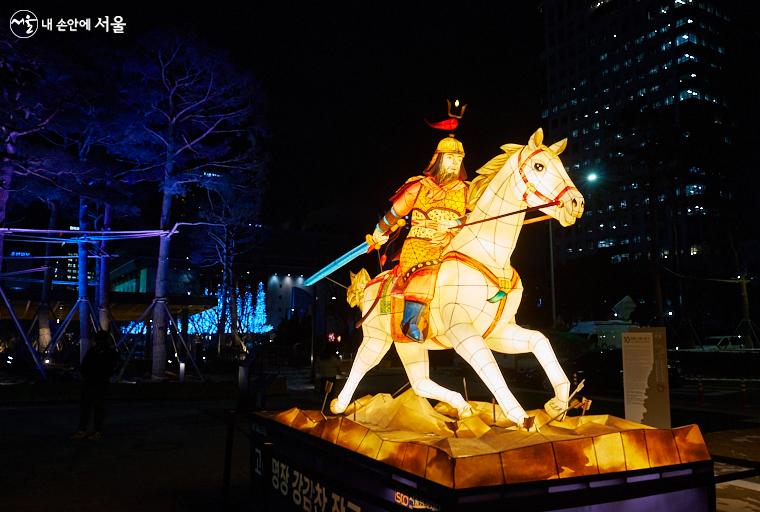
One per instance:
[(27, 106), (232, 210), (188, 113)]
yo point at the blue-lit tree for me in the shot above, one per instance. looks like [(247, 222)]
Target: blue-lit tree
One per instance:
[(250, 314), (28, 103), (187, 114), (260, 324)]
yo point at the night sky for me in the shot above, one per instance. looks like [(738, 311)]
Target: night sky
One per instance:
[(345, 91), (342, 94), (348, 92)]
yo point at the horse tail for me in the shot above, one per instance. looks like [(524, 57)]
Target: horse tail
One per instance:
[(355, 291), (359, 282)]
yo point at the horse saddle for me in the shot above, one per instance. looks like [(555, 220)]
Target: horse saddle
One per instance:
[(392, 303)]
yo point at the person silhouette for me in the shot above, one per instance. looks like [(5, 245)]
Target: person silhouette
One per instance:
[(99, 363)]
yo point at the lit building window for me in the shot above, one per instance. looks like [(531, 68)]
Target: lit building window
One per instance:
[(664, 253), (696, 210), (607, 242), (696, 170), (689, 94), (694, 189), (695, 249), (686, 38), (687, 57)]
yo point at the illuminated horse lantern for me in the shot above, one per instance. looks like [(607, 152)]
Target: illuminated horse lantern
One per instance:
[(475, 268)]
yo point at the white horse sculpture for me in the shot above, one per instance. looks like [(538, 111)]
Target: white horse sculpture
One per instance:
[(476, 267)]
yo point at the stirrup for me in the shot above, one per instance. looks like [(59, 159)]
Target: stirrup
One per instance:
[(412, 314), (412, 332)]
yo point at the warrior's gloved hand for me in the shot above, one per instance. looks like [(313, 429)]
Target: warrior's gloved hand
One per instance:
[(446, 225), (379, 238)]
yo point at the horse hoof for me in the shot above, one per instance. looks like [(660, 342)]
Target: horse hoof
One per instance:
[(555, 407), (335, 407)]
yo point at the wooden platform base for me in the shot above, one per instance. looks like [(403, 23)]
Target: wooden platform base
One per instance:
[(402, 453)]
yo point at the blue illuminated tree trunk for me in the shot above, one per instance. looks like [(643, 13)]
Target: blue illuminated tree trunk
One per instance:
[(224, 293), (43, 314), (84, 313), (160, 320), (104, 277)]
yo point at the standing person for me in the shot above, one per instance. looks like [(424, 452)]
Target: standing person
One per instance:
[(437, 203), (98, 365)]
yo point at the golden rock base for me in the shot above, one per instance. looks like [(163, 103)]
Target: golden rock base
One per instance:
[(487, 449)]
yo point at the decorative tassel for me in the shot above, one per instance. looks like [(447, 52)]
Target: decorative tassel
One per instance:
[(496, 298)]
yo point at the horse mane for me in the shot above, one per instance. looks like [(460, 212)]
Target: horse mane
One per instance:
[(487, 173)]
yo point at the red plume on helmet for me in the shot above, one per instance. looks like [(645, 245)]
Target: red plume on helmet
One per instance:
[(452, 122), (448, 125)]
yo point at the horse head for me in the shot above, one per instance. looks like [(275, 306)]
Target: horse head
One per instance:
[(540, 178)]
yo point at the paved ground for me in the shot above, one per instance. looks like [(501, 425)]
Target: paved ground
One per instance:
[(161, 456), (168, 455)]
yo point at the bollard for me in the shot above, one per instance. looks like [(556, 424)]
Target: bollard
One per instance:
[(744, 395), (243, 379), (182, 371), (700, 393)]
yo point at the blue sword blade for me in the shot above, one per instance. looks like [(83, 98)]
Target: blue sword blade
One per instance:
[(335, 265)]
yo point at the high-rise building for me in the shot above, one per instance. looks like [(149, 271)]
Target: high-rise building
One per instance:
[(646, 91)]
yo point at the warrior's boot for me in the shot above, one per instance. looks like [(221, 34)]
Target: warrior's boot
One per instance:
[(409, 325)]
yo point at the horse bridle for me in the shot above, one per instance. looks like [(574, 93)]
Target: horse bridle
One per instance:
[(530, 187)]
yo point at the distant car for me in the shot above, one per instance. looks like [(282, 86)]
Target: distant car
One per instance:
[(728, 342), (602, 370)]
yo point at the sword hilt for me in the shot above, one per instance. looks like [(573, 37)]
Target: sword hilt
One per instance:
[(373, 245)]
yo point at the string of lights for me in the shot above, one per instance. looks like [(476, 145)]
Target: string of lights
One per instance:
[(75, 236)]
